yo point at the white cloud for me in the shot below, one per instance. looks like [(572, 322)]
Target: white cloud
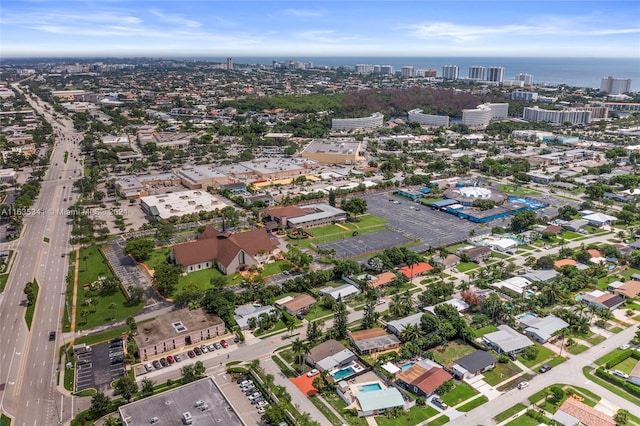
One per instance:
[(305, 13), (175, 19)]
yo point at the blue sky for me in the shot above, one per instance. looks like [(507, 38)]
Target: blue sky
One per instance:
[(560, 28)]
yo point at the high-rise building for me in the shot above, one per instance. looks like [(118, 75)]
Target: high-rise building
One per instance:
[(495, 74), (615, 86), (527, 78), (407, 71), (450, 72), (364, 68), (386, 69), (229, 63), (476, 72)]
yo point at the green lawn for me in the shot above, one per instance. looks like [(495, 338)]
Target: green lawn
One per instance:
[(430, 200), (461, 392), (473, 404), (412, 417), (28, 315), (501, 373), (275, 268), (606, 358), (486, 330), (439, 421), (367, 220), (3, 281), (200, 280), (92, 265), (577, 349), (322, 231), (158, 257), (4, 420), (518, 190), (543, 355), (524, 420), (466, 266), (317, 311), (446, 355), (587, 371), (627, 365), (568, 235), (596, 339), (509, 412)]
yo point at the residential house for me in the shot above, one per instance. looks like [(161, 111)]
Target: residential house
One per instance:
[(299, 304), (377, 402), (447, 262), (411, 271), (329, 355), (588, 416), (552, 229), (564, 262), (541, 275), (422, 379), (383, 280), (596, 256), (603, 300), (599, 219), (244, 313), (397, 326), (475, 254), (542, 329), (507, 340), (575, 225), (344, 291), (473, 364), (226, 251), (629, 289), (373, 340)]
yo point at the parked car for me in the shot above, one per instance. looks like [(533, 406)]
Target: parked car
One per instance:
[(258, 400), (204, 349), (217, 345), (242, 379), (439, 403), (157, 365), (254, 395), (148, 366), (544, 368), (197, 351), (625, 346), (164, 362), (170, 360), (224, 343), (211, 347), (312, 373), (178, 358), (262, 403), (621, 374), (191, 354), (523, 385), (261, 410)]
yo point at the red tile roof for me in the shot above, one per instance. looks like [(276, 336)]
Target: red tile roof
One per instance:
[(587, 415), (564, 262), (419, 268)]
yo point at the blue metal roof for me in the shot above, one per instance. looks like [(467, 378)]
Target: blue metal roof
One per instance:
[(444, 203)]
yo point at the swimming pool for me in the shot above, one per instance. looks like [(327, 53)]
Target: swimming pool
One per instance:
[(370, 387), (534, 205), (343, 374), (578, 297), (406, 366), (526, 315)]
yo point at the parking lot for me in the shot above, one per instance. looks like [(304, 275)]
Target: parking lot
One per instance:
[(433, 227), (202, 400), (100, 366), (366, 243)]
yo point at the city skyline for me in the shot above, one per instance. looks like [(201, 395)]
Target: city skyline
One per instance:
[(330, 28)]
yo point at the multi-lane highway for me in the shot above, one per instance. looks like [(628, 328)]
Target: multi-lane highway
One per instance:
[(28, 359)]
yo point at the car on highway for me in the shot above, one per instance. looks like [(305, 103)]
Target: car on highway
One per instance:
[(52, 336), (312, 373), (224, 343), (523, 385), (545, 367)]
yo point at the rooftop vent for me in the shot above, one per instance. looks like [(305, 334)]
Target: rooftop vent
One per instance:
[(179, 327)]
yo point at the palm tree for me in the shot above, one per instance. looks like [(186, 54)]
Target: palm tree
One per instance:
[(411, 333), (298, 348)]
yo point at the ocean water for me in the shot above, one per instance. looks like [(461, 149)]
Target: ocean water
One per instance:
[(578, 72)]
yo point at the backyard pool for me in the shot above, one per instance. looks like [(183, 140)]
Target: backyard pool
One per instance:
[(343, 374), (526, 315), (406, 366), (370, 387)]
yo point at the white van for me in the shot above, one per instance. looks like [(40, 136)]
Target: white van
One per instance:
[(187, 418)]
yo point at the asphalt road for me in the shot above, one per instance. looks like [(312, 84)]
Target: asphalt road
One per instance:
[(28, 360)]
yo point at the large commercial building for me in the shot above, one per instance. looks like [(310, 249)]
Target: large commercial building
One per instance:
[(450, 72), (483, 114), (615, 86), (374, 121), (519, 95), (179, 204), (417, 116), (407, 71), (572, 115), (333, 151), (201, 177), (175, 330), (476, 72), (495, 74), (364, 68), (526, 78)]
